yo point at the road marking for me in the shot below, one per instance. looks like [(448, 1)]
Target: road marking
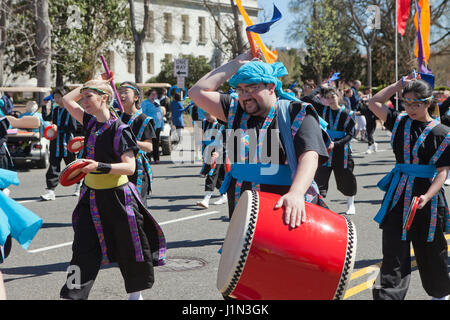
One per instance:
[(371, 269), (161, 224), (50, 247)]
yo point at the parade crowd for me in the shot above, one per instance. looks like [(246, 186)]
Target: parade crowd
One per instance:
[(306, 132)]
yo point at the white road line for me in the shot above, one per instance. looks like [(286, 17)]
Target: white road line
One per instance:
[(26, 201), (161, 224)]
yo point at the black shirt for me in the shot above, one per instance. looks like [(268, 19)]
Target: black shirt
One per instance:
[(309, 137)]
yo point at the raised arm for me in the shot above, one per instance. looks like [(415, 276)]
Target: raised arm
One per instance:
[(72, 106), (376, 103), (204, 93)]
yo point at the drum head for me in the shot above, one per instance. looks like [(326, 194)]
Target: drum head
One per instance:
[(72, 173), (237, 241), (76, 144), (50, 132)]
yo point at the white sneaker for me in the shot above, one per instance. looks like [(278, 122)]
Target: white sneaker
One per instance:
[(204, 203), (135, 296), (350, 206), (77, 190), (374, 147), (369, 151), (443, 298), (49, 196), (223, 199)]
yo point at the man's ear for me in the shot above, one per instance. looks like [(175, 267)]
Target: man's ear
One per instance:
[(271, 87)]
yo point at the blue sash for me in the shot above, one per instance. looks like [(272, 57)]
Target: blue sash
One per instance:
[(334, 134), (390, 182)]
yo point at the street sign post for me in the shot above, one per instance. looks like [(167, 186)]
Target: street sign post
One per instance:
[(180, 68)]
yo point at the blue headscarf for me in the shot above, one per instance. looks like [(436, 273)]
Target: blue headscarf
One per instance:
[(261, 72)]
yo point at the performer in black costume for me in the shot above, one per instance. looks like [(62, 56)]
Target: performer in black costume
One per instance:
[(66, 127), (421, 148), (143, 129), (213, 162), (110, 222), (341, 127)]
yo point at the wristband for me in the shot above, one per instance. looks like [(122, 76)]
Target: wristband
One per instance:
[(104, 167)]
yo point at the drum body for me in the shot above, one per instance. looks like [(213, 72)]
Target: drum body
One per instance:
[(72, 173), (50, 132), (264, 259), (76, 144)]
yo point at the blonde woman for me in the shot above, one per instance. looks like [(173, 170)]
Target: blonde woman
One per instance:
[(110, 222)]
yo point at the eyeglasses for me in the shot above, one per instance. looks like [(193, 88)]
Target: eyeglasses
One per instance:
[(329, 96), (414, 105), (249, 90)]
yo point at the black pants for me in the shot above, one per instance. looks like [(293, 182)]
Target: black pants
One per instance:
[(155, 141), (371, 125), (345, 179), (215, 179), (87, 254), (54, 169), (395, 273)]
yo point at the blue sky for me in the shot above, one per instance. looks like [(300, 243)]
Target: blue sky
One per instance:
[(276, 36)]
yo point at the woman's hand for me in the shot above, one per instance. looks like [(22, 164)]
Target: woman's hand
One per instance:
[(423, 200), (92, 166), (294, 209)]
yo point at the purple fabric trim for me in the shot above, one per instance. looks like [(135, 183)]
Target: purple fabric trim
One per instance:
[(98, 226), (117, 139), (161, 238), (133, 225)]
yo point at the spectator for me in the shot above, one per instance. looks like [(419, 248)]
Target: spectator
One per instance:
[(6, 104), (151, 108)]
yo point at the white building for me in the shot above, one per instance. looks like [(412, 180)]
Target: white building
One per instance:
[(179, 27)]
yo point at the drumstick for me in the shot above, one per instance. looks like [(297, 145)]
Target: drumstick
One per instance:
[(108, 72), (251, 41)]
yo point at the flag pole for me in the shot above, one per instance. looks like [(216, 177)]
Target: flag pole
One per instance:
[(396, 51)]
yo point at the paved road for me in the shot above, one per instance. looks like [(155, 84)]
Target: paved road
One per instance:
[(194, 235)]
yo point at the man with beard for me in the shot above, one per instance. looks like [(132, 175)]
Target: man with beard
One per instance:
[(255, 122)]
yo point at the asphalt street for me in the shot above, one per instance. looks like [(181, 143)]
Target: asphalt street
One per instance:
[(193, 235)]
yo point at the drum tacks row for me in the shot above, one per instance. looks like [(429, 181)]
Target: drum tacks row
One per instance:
[(262, 258)]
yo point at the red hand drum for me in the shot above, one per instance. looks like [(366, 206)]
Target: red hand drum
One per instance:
[(50, 132), (76, 144), (72, 173), (264, 259), (411, 213)]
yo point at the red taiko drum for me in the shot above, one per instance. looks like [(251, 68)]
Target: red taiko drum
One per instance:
[(76, 144), (50, 132), (72, 173), (264, 259)]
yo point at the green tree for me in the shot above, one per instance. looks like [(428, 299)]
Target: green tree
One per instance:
[(198, 67), (318, 25)]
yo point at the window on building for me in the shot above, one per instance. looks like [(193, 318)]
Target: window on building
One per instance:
[(151, 27), (217, 32), (150, 63), (185, 28), (168, 57), (201, 30), (130, 62), (168, 36)]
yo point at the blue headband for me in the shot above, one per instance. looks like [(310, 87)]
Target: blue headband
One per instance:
[(261, 72)]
